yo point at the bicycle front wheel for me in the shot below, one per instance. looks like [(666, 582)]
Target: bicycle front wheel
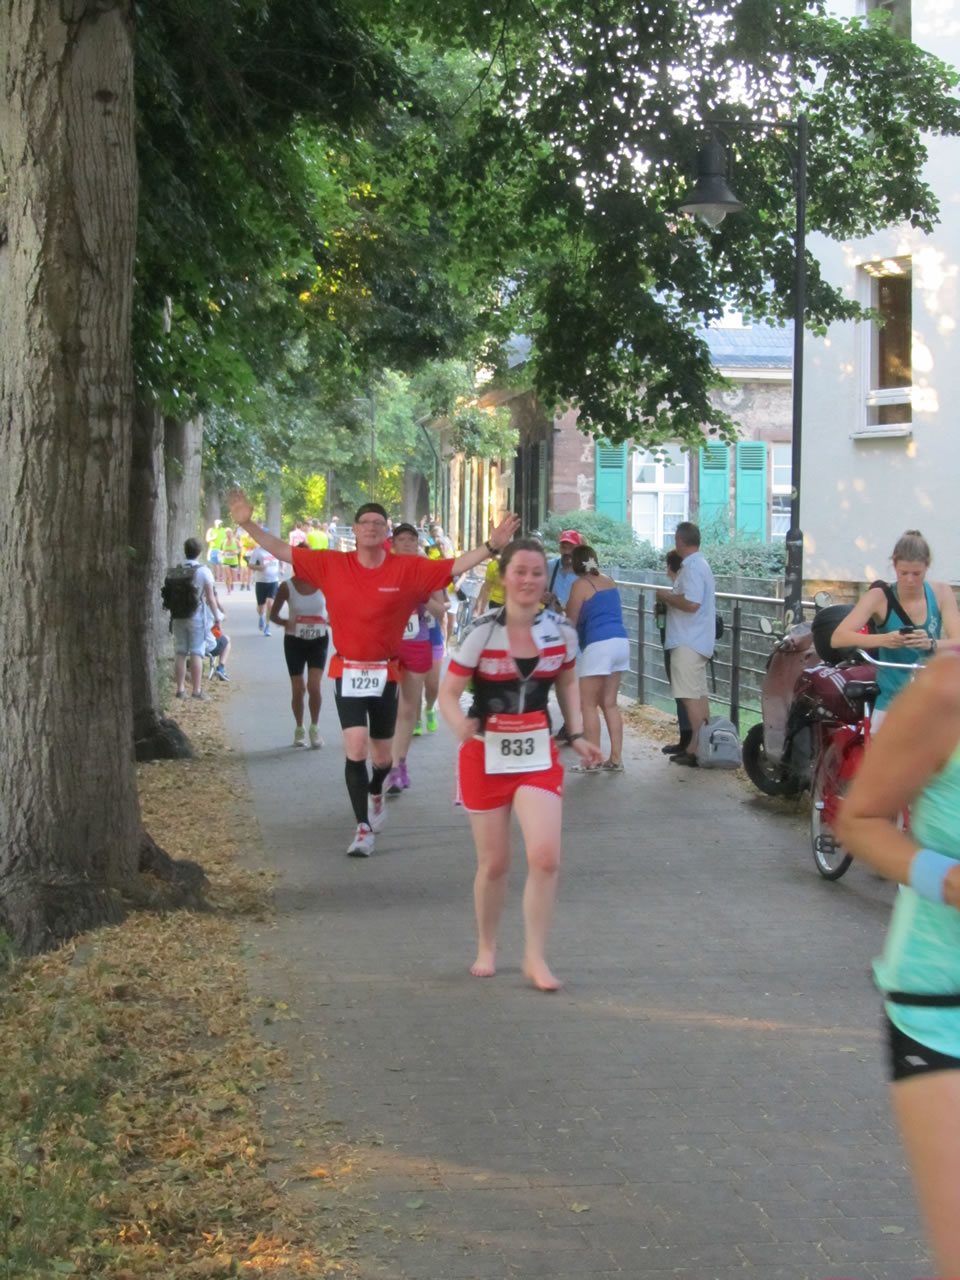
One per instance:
[(827, 788)]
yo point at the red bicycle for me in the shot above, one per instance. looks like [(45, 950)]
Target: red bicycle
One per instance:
[(843, 698)]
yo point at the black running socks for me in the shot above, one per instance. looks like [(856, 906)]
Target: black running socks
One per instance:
[(355, 772), (378, 779)]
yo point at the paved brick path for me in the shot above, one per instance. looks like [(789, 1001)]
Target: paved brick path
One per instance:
[(704, 1099)]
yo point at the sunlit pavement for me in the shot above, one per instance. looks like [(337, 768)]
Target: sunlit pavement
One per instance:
[(705, 1098)]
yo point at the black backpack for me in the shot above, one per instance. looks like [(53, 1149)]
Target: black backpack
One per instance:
[(179, 593)]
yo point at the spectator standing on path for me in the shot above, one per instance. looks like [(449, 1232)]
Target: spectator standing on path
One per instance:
[(507, 761), (596, 610), (673, 561), (190, 634), (560, 580), (305, 641), (560, 572), (266, 571), (691, 632), (370, 596), (915, 763), (491, 593), (416, 660)]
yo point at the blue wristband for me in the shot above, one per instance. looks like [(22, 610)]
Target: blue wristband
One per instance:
[(928, 870)]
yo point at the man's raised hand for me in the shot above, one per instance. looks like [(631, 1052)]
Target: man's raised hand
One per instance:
[(505, 531)]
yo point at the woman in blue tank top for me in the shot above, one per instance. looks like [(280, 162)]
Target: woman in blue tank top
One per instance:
[(916, 762), (907, 619), (595, 609)]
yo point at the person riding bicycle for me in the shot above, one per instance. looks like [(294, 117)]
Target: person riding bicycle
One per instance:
[(905, 620)]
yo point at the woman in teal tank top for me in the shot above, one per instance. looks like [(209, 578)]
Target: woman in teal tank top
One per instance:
[(915, 762), (928, 607)]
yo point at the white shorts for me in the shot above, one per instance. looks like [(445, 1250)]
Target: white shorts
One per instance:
[(688, 673), (604, 657)]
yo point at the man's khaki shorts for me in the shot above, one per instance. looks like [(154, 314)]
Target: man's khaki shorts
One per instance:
[(688, 673)]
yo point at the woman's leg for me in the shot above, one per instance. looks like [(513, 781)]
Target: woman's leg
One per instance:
[(927, 1108), (613, 716), (408, 712), (431, 683), (314, 692), (297, 689), (540, 815), (591, 693), (491, 835)]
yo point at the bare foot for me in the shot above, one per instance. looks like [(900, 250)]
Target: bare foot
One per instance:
[(540, 975), (485, 965)]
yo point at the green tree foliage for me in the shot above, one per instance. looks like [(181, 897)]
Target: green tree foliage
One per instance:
[(331, 193), (585, 124)]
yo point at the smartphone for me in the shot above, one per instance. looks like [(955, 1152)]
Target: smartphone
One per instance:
[(907, 631)]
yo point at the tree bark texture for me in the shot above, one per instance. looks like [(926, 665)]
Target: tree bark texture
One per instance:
[(70, 828), (154, 736), (183, 459)]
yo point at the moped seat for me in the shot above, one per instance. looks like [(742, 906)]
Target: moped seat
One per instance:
[(865, 690)]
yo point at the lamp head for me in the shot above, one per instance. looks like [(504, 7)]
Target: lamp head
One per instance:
[(711, 198)]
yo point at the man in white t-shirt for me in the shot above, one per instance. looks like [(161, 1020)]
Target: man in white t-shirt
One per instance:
[(190, 634), (266, 572), (691, 632)]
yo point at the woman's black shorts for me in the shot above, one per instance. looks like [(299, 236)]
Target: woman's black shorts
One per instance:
[(908, 1057), (301, 653), (377, 714), (265, 591)]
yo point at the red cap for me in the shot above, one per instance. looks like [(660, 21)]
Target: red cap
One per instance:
[(571, 535)]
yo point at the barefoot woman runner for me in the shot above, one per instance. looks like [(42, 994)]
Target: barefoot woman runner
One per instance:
[(507, 759)]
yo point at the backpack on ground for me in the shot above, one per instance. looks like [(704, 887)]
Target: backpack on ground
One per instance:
[(179, 593), (718, 745)]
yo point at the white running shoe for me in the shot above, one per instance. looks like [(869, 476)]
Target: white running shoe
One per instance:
[(362, 846), (315, 739), (376, 812), (298, 736)]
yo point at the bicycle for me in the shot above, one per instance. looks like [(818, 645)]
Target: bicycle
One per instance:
[(841, 735)]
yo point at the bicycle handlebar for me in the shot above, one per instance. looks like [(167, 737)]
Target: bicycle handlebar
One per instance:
[(893, 666)]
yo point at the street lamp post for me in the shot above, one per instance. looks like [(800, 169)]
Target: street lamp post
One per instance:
[(712, 200)]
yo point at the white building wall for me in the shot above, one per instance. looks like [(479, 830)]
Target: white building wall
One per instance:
[(859, 495)]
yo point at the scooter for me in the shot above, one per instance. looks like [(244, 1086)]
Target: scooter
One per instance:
[(778, 753)]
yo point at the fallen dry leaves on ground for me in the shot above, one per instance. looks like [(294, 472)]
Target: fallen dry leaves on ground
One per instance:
[(130, 1139)]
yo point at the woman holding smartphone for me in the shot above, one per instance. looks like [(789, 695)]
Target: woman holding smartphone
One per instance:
[(908, 618)]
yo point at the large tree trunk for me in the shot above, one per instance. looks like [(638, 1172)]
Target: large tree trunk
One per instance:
[(183, 460), (154, 736), (70, 831)]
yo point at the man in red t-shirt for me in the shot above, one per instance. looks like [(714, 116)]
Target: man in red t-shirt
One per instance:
[(370, 596)]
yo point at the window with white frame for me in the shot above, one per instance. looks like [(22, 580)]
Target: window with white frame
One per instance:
[(898, 12), (888, 351), (781, 489), (661, 494)]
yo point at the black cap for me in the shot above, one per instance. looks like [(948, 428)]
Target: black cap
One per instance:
[(405, 528)]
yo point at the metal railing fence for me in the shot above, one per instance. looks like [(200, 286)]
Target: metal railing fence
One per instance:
[(740, 658)]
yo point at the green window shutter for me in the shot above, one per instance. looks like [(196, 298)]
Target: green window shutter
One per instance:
[(714, 513), (543, 482), (752, 489), (611, 480)]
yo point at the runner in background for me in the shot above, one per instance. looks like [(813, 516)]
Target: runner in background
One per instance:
[(266, 569), (306, 637), (416, 660), (230, 557), (213, 540), (316, 536), (247, 545), (370, 597), (508, 763)]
